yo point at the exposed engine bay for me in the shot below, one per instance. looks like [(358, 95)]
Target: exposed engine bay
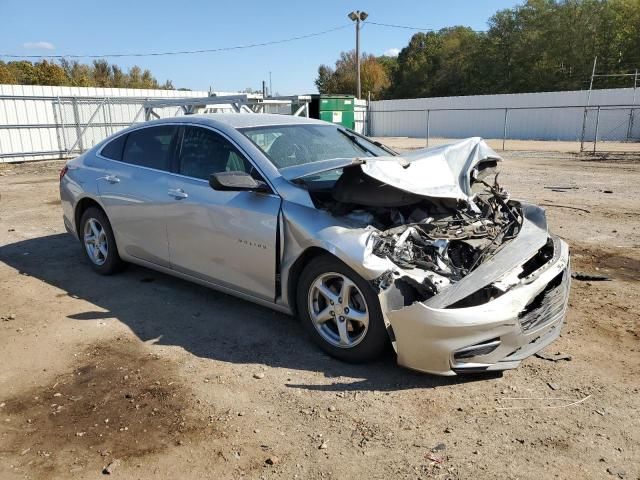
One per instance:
[(434, 241)]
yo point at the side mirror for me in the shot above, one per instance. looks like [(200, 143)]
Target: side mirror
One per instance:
[(236, 181)]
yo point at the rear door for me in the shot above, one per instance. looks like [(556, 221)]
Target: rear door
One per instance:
[(134, 191), (226, 237)]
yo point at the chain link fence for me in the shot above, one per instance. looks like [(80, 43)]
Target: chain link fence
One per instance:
[(35, 128), (594, 129), (611, 129)]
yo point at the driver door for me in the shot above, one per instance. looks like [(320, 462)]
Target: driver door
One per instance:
[(224, 237)]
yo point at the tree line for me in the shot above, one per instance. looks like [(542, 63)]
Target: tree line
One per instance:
[(75, 74), (540, 45)]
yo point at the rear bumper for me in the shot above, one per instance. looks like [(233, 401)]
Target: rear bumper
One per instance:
[(496, 335)]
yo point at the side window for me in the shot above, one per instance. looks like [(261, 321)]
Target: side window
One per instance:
[(113, 149), (205, 152), (150, 147)]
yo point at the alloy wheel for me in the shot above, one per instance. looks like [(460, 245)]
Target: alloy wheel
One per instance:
[(95, 241), (338, 310)]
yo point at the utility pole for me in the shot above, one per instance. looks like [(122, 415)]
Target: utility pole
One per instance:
[(270, 85), (358, 17)]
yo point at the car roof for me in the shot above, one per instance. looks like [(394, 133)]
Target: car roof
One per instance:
[(242, 120)]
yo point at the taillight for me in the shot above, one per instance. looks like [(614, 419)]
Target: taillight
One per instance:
[(63, 172)]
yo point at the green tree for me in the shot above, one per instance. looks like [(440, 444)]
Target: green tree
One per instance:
[(342, 79), (148, 81), (539, 45), (101, 74), (74, 73), (78, 74), (119, 78), (50, 74), (390, 65), (418, 63), (24, 72), (7, 75), (135, 77), (326, 81)]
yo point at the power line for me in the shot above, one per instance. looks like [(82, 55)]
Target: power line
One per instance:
[(183, 52), (406, 27)]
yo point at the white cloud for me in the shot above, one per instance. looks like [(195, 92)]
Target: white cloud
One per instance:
[(392, 52), (40, 45)]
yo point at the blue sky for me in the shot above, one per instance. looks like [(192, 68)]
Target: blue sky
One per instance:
[(89, 27)]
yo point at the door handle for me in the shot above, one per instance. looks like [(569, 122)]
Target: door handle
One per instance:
[(112, 179), (177, 193)]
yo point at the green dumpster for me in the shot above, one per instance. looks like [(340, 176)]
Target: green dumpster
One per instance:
[(338, 109)]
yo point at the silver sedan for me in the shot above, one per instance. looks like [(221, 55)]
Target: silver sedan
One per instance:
[(424, 251)]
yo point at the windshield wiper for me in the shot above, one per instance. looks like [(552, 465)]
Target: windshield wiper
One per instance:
[(354, 139), (384, 147)]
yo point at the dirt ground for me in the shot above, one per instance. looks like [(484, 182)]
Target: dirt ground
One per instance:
[(154, 377)]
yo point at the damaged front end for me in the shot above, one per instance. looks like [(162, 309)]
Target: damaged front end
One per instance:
[(445, 246), (433, 235), (473, 279)]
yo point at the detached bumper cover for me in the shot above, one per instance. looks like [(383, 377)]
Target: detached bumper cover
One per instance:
[(496, 335)]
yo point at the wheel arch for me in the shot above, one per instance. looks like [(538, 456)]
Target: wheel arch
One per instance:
[(81, 207), (296, 270)]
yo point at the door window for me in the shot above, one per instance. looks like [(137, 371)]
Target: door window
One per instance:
[(150, 147), (205, 152)]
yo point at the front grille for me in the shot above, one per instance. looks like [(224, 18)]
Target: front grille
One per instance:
[(541, 258), (548, 306)]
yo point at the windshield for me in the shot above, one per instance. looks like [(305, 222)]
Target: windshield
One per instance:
[(291, 145)]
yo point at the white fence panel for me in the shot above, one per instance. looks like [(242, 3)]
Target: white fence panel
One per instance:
[(530, 116), (40, 122)]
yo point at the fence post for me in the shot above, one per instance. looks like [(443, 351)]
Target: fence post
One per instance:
[(631, 112), (76, 115), (63, 124), (504, 130), (57, 123), (428, 125), (584, 128), (595, 138), (111, 129)]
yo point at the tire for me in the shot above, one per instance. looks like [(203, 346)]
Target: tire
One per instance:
[(339, 328), (98, 243)]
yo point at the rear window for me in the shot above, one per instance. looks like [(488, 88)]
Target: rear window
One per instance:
[(113, 149), (150, 147)]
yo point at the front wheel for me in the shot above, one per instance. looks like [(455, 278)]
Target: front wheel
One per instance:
[(341, 311)]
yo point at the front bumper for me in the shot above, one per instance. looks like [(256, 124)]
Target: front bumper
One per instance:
[(496, 335)]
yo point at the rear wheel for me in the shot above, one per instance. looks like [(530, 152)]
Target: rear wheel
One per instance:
[(99, 243), (341, 311)]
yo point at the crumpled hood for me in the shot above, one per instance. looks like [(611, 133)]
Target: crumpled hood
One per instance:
[(443, 171)]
